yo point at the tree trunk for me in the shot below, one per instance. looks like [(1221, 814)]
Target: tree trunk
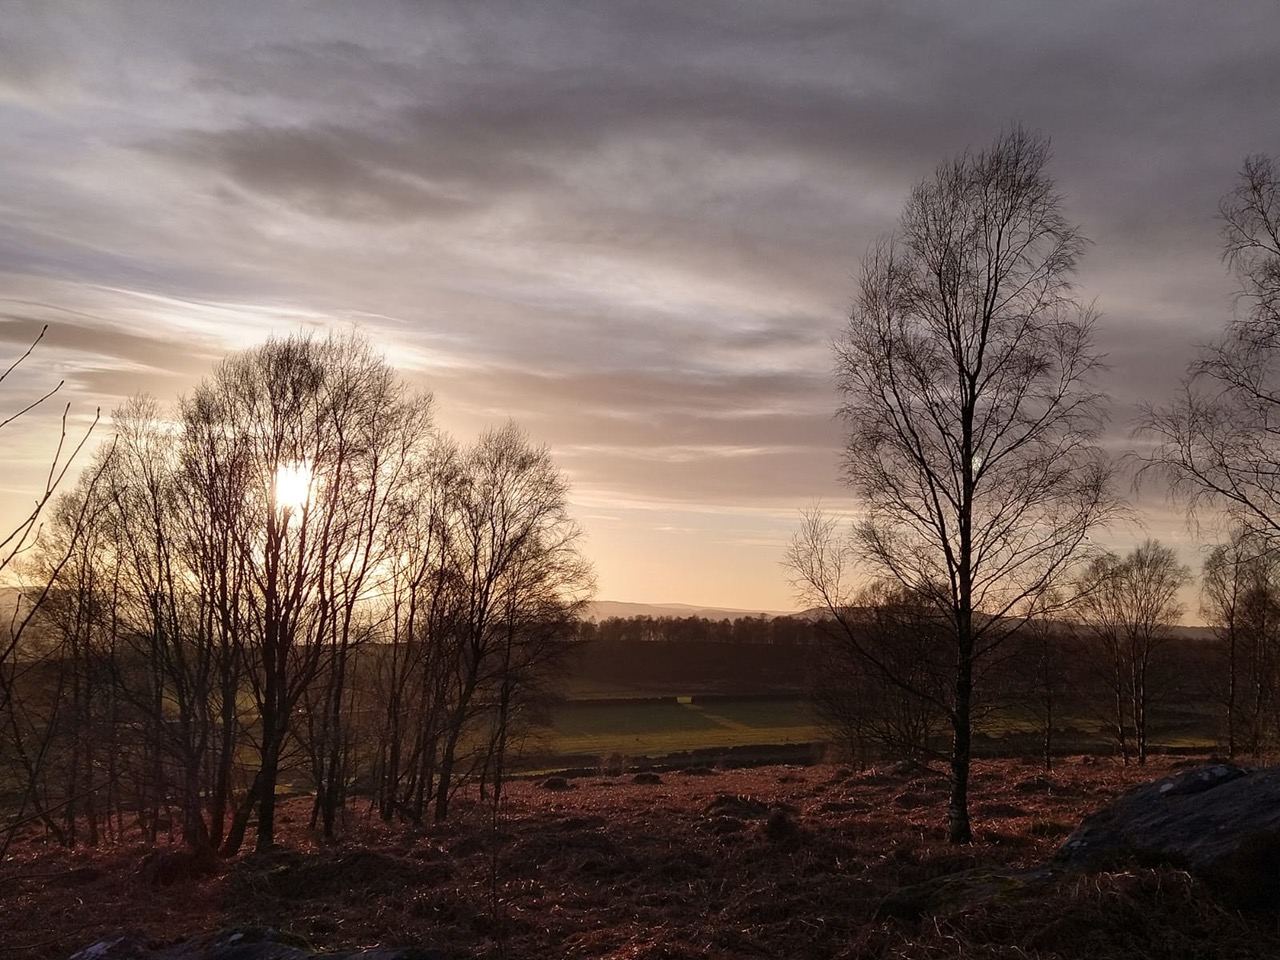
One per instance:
[(226, 761), (1048, 733), (1140, 709), (446, 773), (240, 821), (1231, 691), (1121, 738), (959, 830), (266, 779)]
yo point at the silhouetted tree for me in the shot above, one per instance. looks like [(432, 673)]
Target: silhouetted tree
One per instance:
[(299, 539), (965, 377), (1128, 607), (880, 686), (514, 553), (1240, 600), (1216, 443), (330, 419), (26, 741), (409, 677)]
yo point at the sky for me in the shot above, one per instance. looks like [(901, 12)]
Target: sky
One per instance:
[(633, 227)]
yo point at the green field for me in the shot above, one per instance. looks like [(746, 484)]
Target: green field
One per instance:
[(635, 727), (659, 727)]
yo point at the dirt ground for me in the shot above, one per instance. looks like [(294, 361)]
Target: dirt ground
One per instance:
[(780, 862)]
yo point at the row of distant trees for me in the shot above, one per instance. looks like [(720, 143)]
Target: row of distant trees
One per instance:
[(1107, 660), (290, 574), (750, 629)]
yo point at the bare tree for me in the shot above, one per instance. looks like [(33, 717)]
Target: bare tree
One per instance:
[(1240, 600), (880, 677), (27, 603), (543, 595), (303, 423), (965, 376), (1218, 442), (1129, 607), (235, 585), (217, 473), (381, 432), (517, 578), (408, 672)]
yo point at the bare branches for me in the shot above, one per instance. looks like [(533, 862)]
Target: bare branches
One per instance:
[(1128, 607), (966, 383), (1250, 216), (966, 378), (39, 400), (208, 630), (20, 537), (1218, 442)]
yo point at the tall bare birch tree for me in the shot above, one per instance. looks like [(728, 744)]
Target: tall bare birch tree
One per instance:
[(966, 384)]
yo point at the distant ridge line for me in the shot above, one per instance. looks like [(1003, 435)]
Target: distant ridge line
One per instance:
[(604, 609)]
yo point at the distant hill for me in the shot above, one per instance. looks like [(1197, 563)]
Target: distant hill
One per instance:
[(604, 609)]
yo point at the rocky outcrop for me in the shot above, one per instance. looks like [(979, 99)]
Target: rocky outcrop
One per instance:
[(247, 944), (1221, 823)]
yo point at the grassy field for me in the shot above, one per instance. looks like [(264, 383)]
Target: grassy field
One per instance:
[(658, 727)]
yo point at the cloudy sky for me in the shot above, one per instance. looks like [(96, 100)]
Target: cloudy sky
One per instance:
[(632, 226)]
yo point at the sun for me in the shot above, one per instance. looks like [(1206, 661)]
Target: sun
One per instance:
[(293, 485)]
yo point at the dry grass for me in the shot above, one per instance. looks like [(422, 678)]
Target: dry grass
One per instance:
[(772, 862)]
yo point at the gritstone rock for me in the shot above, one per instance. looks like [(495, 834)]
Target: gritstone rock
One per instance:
[(1220, 823)]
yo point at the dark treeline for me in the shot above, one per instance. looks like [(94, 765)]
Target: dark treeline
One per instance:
[(759, 629), (1093, 674), (209, 583), (678, 656), (1104, 667)]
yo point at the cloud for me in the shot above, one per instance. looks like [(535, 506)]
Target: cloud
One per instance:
[(635, 227), (330, 173)]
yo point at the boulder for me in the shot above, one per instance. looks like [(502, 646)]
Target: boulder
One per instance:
[(244, 944), (1221, 823)]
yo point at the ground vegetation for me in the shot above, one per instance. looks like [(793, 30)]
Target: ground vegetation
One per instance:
[(774, 861)]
